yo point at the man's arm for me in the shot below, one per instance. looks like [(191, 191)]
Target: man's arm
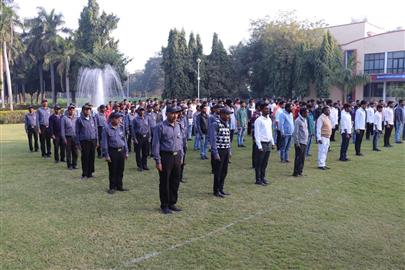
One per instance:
[(213, 139), (256, 134), (318, 129)]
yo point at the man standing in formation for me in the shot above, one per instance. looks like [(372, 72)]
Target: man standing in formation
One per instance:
[(31, 128), (115, 151), (101, 122), (68, 135), (168, 155), (43, 114), (286, 125), (141, 134), (263, 137), (129, 118), (399, 120), (202, 130), (378, 123), (388, 118), (220, 141), (323, 133), (360, 126), (241, 123), (370, 120), (55, 130), (346, 131), (87, 140), (300, 141)]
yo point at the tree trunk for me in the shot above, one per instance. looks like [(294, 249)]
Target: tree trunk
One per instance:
[(67, 88), (41, 82), (8, 77), (32, 97), (74, 97), (23, 93), (53, 83), (3, 102)]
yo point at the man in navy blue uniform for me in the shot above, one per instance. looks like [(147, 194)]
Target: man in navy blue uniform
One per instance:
[(141, 135), (43, 114), (31, 128), (59, 145)]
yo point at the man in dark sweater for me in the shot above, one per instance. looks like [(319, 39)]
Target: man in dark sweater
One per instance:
[(54, 129)]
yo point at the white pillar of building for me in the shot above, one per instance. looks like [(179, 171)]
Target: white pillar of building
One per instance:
[(385, 91)]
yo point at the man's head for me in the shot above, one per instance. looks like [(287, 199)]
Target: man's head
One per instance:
[(116, 118), (264, 108), (379, 108), (243, 104), (288, 107), (371, 104), (44, 103), (141, 111), (102, 108), (347, 107), (363, 104), (401, 103), (86, 110), (56, 109), (304, 112), (390, 104), (326, 110), (71, 110), (225, 114), (30, 109), (172, 113)]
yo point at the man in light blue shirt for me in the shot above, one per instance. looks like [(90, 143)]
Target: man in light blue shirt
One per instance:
[(286, 126)]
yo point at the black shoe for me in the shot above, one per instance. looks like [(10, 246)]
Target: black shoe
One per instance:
[(243, 145), (62, 160), (91, 176), (84, 177), (225, 193), (74, 167), (70, 168), (122, 189), (326, 167), (111, 191), (359, 154), (322, 168), (166, 211), (265, 182), (295, 174), (398, 142), (376, 149), (259, 182), (219, 195), (31, 150), (174, 208), (36, 150), (140, 169), (146, 168), (183, 181), (56, 161), (343, 159)]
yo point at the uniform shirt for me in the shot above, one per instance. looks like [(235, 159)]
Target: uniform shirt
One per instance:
[(378, 121), (360, 119), (370, 115), (54, 124), (346, 123), (128, 122), (184, 129), (101, 119), (68, 126), (300, 134), (86, 129), (389, 116), (151, 118), (113, 137), (43, 115), (167, 137), (30, 121), (141, 126), (286, 123), (263, 131)]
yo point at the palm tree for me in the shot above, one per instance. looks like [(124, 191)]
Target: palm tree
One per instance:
[(10, 42), (347, 79), (44, 30)]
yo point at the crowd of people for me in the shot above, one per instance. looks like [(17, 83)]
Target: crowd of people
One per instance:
[(161, 129)]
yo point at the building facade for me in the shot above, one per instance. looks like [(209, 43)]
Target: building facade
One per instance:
[(377, 53)]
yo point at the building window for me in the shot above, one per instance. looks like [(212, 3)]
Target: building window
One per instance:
[(348, 56), (396, 62), (373, 90), (374, 63)]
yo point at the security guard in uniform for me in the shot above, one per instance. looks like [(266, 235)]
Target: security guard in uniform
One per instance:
[(31, 128), (168, 154), (43, 114), (141, 135), (115, 151), (183, 122), (220, 140)]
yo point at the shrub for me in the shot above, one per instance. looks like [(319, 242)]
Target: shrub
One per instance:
[(12, 117)]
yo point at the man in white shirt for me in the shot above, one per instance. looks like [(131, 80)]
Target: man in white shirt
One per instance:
[(377, 127), (345, 130), (388, 118), (323, 133), (333, 116), (370, 120), (263, 134), (360, 126)]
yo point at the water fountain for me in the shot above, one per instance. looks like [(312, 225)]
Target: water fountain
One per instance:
[(98, 86)]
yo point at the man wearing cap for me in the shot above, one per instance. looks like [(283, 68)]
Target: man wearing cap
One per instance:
[(43, 114), (212, 118), (54, 130), (115, 151), (101, 122), (31, 128), (128, 118), (68, 134), (220, 140), (152, 118), (183, 122), (168, 154), (87, 140), (141, 135)]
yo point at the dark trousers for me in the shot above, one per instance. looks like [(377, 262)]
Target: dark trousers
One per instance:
[(59, 145), (45, 140), (387, 135), (332, 137), (232, 132), (278, 141), (220, 170), (88, 149), (169, 179), (299, 159), (71, 152), (142, 151), (344, 146), (376, 136), (116, 167), (130, 142), (182, 165), (261, 161), (357, 143), (32, 134), (369, 130), (100, 133), (254, 151)]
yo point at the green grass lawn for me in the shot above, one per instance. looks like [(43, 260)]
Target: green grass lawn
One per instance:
[(349, 217)]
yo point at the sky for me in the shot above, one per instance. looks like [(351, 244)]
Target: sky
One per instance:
[(144, 25)]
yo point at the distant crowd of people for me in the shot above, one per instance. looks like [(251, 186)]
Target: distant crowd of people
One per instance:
[(161, 129)]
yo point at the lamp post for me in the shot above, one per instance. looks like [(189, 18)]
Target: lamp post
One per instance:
[(198, 78)]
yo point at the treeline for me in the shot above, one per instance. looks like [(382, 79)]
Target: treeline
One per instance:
[(41, 55)]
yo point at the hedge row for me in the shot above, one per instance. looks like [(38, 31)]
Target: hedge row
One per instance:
[(12, 117)]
